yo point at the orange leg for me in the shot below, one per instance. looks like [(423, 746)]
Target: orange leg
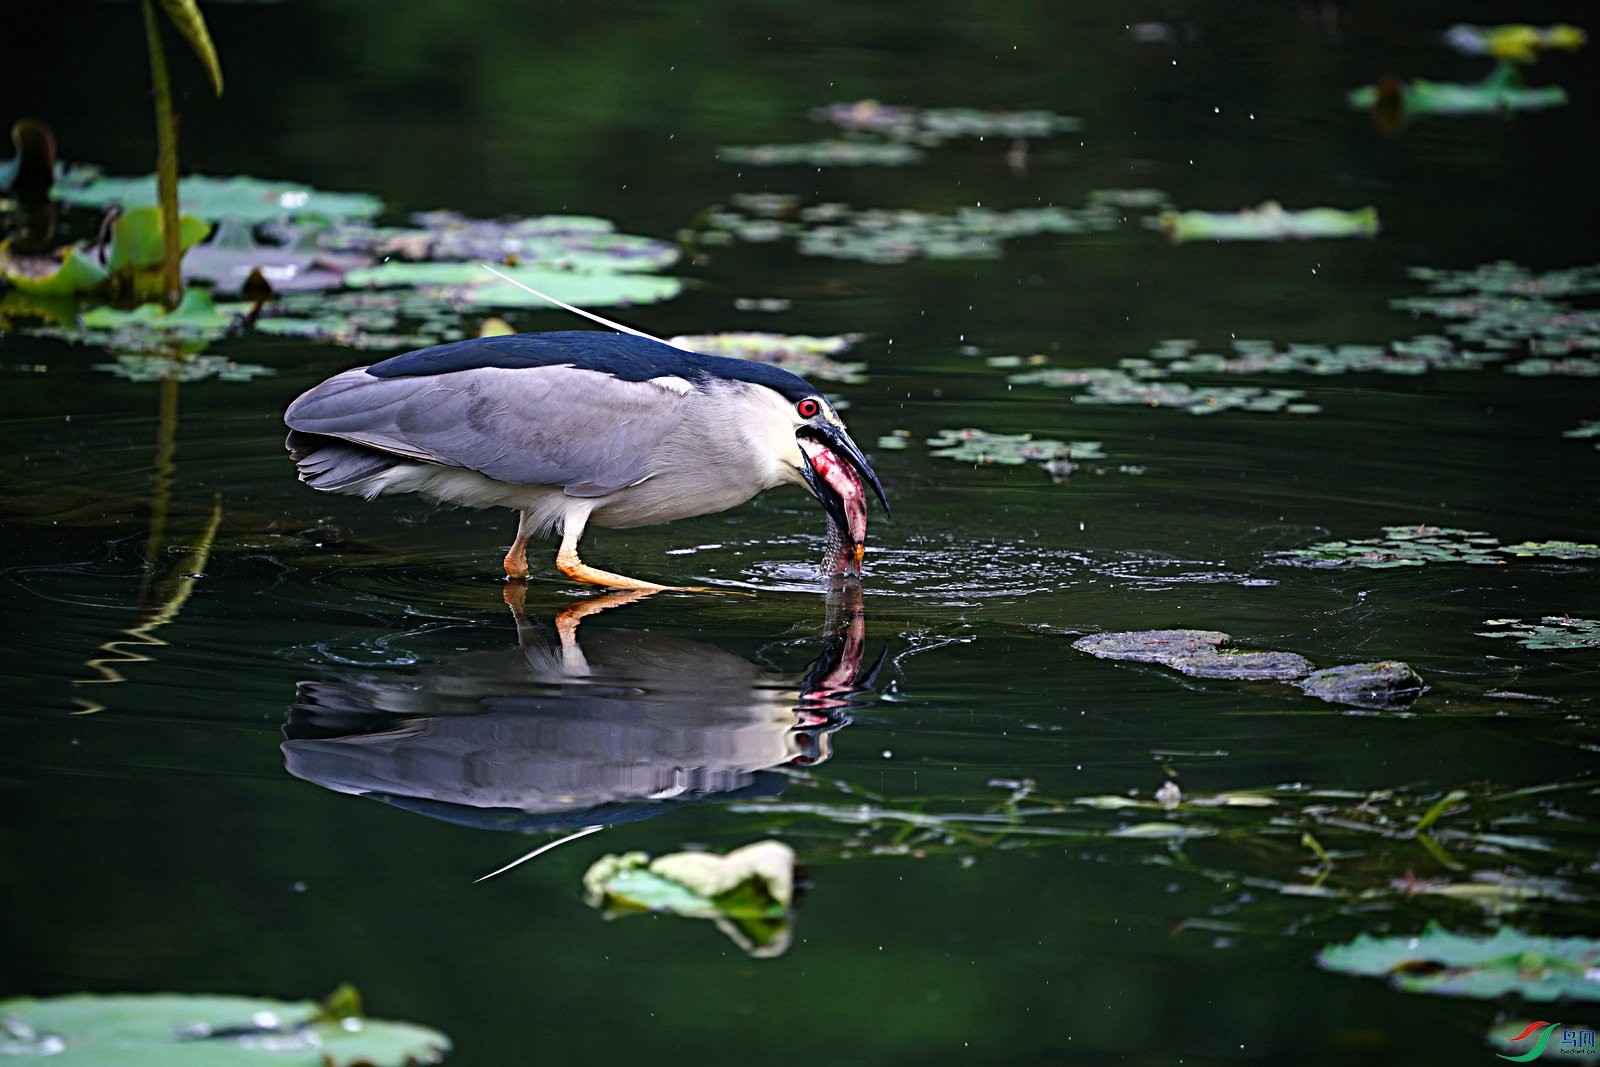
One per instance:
[(568, 563), (517, 557)]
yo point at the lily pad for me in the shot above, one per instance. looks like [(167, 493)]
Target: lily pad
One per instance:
[(823, 154), (880, 235), (983, 447), (133, 265), (250, 199), (1268, 222), (233, 253), (1501, 92), (935, 125), (1414, 546), (1514, 43), (748, 893), (152, 330), (1384, 686), (165, 1030), (1554, 632), (560, 242), (809, 357), (468, 285), (1539, 969)]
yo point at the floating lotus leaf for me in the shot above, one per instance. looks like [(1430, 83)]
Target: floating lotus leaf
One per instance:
[(823, 154), (151, 329), (1414, 546), (1381, 686), (1268, 222), (1500, 93), (875, 235), (748, 893), (809, 357), (468, 285), (250, 199), (1543, 368), (166, 1030), (1588, 428), (233, 253), (380, 320), (560, 242), (1539, 969), (1515, 43), (934, 125), (1107, 386), (981, 446), (1550, 632)]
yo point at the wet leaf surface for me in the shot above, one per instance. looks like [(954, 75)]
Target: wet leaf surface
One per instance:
[(1437, 961), (1551, 632), (1414, 546), (250, 199), (809, 357), (164, 1030), (1267, 222)]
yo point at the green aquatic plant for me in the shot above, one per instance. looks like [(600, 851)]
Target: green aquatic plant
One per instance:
[(167, 1030), (1501, 92), (1517, 43), (185, 16), (1553, 632), (1455, 965), (1009, 449), (935, 125), (1414, 546), (134, 270), (1138, 386), (558, 242), (822, 154), (1585, 429), (886, 236), (251, 200), (1267, 222)]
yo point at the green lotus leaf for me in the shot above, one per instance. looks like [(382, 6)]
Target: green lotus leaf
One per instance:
[(250, 199), (1268, 222), (470, 285), (166, 1030), (1437, 961)]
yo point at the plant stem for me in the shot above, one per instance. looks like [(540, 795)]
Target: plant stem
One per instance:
[(166, 160)]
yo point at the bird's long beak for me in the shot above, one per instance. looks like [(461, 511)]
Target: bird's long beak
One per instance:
[(836, 439), (834, 468)]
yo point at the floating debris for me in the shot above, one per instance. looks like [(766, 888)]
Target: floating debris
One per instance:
[(809, 357), (748, 893), (1539, 969), (1556, 632), (1202, 654), (1413, 546), (1268, 222), (983, 447), (1386, 686), (932, 126)]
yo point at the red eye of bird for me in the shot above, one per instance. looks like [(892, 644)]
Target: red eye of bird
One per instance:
[(808, 408)]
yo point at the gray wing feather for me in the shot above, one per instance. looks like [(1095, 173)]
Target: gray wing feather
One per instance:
[(580, 429)]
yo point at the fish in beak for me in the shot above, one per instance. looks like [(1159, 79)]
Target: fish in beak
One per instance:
[(834, 469)]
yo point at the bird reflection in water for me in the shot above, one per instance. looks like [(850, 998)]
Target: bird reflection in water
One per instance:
[(552, 736)]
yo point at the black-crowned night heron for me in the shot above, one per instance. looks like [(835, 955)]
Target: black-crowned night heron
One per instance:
[(577, 427)]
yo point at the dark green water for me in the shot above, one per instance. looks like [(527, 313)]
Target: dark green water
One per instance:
[(159, 844)]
